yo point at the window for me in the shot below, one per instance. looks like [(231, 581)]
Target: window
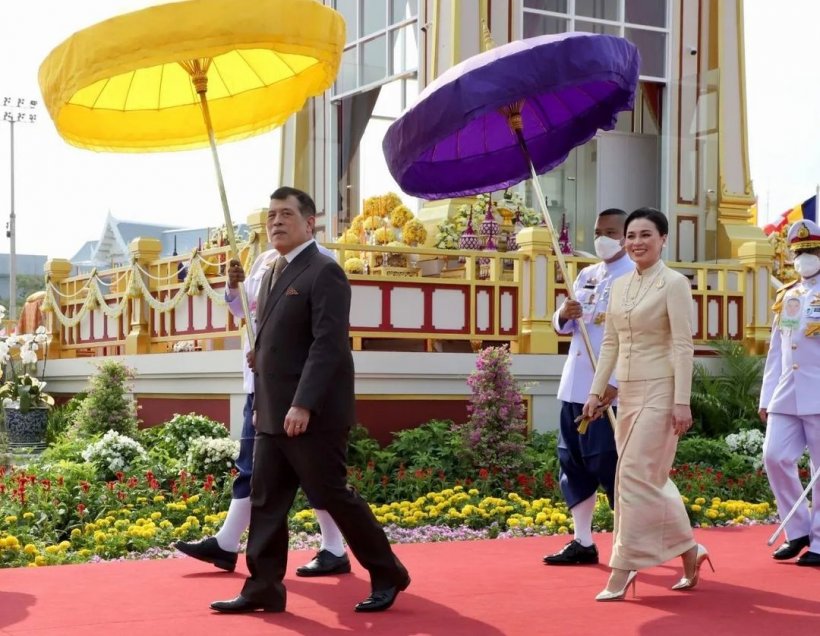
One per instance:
[(642, 22), (382, 42)]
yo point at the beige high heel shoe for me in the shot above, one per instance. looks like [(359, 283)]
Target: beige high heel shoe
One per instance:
[(688, 583), (606, 595)]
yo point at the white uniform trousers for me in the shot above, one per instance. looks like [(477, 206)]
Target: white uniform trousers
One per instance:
[(787, 437)]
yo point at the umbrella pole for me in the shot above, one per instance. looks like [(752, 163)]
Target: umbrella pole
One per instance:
[(562, 264), (206, 115)]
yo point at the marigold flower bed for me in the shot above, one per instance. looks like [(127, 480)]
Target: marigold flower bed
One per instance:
[(68, 519)]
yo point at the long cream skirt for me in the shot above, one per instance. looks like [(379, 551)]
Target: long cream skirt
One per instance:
[(651, 524)]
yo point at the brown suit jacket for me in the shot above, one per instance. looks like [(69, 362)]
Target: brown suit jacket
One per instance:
[(302, 352)]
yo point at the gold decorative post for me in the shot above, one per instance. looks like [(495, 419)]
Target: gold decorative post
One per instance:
[(757, 258), (143, 251), (538, 336), (56, 270)]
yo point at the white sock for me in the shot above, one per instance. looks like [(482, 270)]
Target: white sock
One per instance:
[(239, 516), (331, 535), (582, 520)]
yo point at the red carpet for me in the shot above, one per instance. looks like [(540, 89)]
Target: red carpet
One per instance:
[(481, 588)]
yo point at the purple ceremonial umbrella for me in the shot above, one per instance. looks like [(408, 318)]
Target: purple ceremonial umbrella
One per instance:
[(509, 114), (456, 141)]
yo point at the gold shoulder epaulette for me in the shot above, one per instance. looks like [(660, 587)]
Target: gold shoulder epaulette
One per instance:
[(778, 299)]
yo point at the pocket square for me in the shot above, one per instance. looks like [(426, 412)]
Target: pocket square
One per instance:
[(291, 292)]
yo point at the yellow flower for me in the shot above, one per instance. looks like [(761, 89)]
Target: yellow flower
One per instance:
[(85, 552), (384, 235), (39, 560), (28, 515), (700, 501), (11, 519), (413, 232), (354, 265), (159, 499), (389, 202), (373, 222), (52, 549), (400, 215), (64, 545), (695, 508), (30, 549)]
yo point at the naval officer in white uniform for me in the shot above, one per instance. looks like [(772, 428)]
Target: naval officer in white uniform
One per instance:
[(789, 397)]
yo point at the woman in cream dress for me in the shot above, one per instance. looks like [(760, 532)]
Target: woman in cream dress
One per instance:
[(648, 344)]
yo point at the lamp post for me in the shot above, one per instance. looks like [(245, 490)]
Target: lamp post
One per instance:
[(16, 110)]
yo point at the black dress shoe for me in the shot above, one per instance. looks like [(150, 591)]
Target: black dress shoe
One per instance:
[(791, 548), (573, 553), (241, 605), (324, 564), (208, 550), (809, 558), (380, 600)]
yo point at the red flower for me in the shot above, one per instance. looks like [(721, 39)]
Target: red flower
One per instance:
[(80, 509), (483, 473), (85, 486)]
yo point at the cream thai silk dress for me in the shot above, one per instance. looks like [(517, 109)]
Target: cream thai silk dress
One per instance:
[(648, 343)]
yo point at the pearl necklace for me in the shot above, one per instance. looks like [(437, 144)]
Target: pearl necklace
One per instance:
[(629, 302)]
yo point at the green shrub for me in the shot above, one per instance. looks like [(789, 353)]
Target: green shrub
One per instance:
[(212, 456), (703, 451), (361, 447), (61, 418), (68, 448), (726, 403), (435, 445), (108, 407), (174, 437)]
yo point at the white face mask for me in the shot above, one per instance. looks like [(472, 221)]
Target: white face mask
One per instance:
[(807, 265), (606, 247)]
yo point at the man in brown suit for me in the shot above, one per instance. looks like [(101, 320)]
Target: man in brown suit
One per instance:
[(305, 407)]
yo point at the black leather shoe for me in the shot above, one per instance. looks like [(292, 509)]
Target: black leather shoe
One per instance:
[(241, 605), (324, 564), (208, 550), (380, 600), (791, 549), (809, 558), (573, 553)]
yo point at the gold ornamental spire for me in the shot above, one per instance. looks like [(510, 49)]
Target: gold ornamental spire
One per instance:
[(487, 41)]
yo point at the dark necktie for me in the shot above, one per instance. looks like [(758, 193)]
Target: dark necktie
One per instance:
[(278, 267)]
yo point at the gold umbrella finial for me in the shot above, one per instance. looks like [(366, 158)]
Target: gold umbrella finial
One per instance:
[(487, 41)]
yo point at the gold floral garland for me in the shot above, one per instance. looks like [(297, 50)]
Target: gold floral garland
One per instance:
[(195, 283)]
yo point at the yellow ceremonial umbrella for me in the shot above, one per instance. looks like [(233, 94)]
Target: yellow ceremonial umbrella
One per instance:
[(188, 74)]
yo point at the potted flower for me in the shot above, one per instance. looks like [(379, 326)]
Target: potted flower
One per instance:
[(25, 402)]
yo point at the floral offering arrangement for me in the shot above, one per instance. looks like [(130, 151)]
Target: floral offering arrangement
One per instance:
[(386, 221), (508, 211)]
